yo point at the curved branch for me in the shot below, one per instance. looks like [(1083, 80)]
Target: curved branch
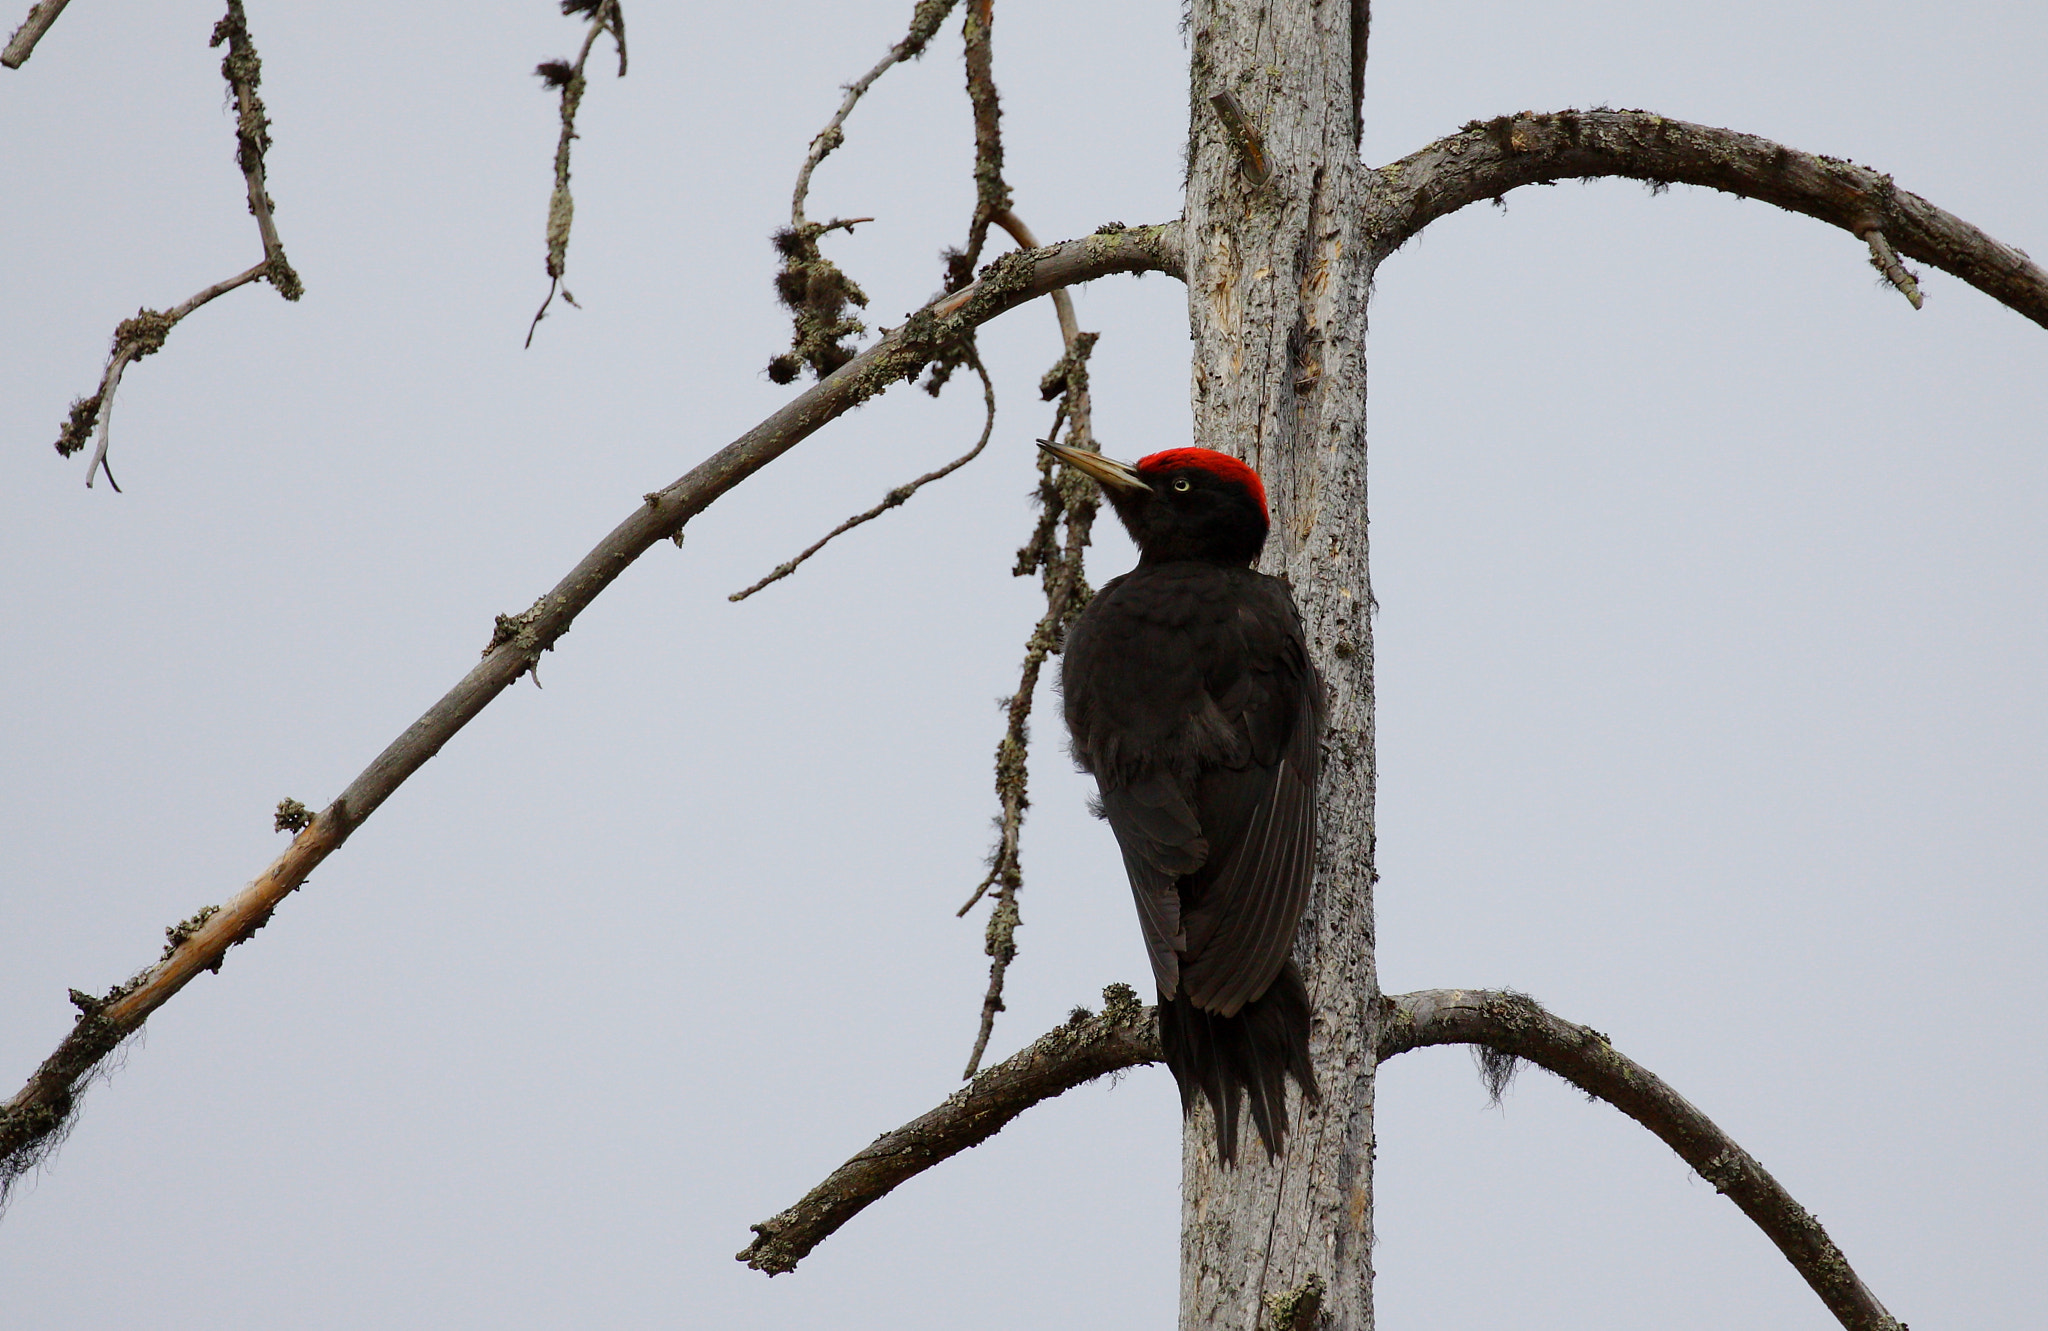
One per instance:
[(1487, 159), (133, 339), (900, 494), (1515, 1025), (42, 1107), (1123, 1035)]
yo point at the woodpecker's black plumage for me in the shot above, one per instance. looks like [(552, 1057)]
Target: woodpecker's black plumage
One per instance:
[(1191, 698)]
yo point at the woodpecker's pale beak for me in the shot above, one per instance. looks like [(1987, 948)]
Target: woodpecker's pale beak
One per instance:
[(1119, 476)]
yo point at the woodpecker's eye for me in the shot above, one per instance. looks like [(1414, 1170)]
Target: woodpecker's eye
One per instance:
[(1181, 483)]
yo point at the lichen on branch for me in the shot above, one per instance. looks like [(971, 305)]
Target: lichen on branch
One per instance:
[(144, 335), (819, 296), (566, 76)]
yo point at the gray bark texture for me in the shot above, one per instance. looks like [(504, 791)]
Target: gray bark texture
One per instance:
[(1277, 275)]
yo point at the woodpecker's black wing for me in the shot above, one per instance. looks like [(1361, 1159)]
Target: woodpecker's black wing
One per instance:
[(1241, 909), (1190, 696)]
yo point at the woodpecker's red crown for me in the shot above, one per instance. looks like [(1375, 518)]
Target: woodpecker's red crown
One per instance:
[(1216, 464)]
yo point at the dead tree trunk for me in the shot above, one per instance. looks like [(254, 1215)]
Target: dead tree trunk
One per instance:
[(1277, 273)]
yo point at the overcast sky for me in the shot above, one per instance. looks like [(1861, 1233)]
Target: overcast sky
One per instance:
[(1711, 645)]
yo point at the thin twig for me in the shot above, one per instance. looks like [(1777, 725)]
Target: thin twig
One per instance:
[(134, 339), (1886, 262), (897, 495), (820, 298), (605, 16), (23, 43), (1488, 158), (36, 1116), (1514, 1025), (243, 69), (924, 24), (144, 334), (1074, 498), (991, 194), (1089, 1045), (1070, 497)]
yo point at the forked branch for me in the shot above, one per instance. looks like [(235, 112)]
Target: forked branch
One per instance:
[(144, 334), (820, 297), (1122, 1035), (37, 1114), (1514, 1024), (1489, 158)]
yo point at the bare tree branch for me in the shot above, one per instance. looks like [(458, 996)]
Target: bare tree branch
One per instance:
[(1252, 162), (605, 16), (924, 24), (819, 297), (901, 493), (1487, 159), (1063, 497), (23, 43), (1122, 1036), (145, 333), (243, 69), (43, 1106), (991, 193), (1062, 302), (1512, 1024), (1515, 1025), (133, 339)]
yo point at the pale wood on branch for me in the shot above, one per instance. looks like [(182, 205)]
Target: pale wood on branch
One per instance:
[(40, 16), (33, 1119)]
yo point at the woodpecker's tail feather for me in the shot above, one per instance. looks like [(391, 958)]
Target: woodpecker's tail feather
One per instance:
[(1248, 1057)]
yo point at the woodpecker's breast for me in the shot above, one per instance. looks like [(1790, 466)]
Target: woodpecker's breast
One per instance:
[(1169, 665)]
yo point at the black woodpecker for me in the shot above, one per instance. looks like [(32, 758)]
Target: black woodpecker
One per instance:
[(1191, 699)]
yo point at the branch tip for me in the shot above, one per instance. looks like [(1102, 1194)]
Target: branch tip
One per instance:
[(1487, 159), (1514, 1026), (1886, 262), (40, 16), (1123, 1035)]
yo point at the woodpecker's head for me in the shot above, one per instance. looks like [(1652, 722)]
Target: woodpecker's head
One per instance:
[(1185, 503)]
